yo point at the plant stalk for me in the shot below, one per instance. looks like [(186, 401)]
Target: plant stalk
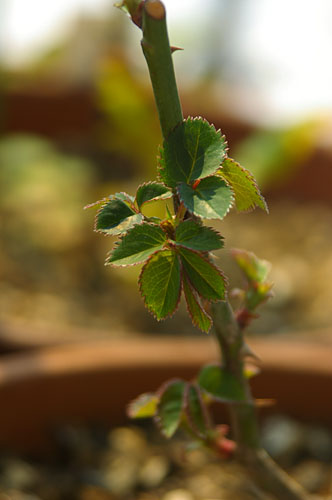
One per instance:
[(244, 422), (158, 55)]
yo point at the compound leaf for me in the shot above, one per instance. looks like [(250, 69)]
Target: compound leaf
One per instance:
[(193, 150), (199, 316), (196, 411), (160, 283), (116, 217), (211, 199), (205, 277), (170, 407), (143, 406), (220, 384), (151, 191), (197, 237), (246, 192), (137, 245)]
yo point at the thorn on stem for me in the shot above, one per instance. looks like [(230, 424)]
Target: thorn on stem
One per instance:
[(174, 49)]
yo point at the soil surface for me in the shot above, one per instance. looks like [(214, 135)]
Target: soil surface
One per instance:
[(135, 463)]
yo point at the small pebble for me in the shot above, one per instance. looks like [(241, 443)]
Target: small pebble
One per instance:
[(127, 440), (178, 494), (121, 475), (319, 443), (283, 438), (18, 474), (154, 471), (312, 475), (95, 493)]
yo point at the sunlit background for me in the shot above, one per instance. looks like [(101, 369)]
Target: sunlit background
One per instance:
[(78, 123)]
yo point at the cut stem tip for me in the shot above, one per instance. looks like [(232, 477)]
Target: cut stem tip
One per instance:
[(155, 9)]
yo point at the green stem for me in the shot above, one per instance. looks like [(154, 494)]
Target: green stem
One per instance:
[(229, 335), (243, 416), (158, 56), (230, 339)]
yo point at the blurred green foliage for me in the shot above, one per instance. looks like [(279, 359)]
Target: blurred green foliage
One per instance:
[(129, 125), (273, 155), (42, 193)]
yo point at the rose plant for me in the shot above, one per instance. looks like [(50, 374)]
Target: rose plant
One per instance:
[(199, 181)]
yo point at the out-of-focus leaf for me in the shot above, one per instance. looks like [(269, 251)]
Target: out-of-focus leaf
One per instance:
[(196, 411), (170, 407), (251, 370), (143, 406), (255, 269), (221, 384)]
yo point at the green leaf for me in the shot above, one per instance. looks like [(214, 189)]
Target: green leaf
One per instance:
[(96, 203), (197, 237), (211, 199), (255, 269), (170, 407), (193, 150), (137, 245), (151, 191), (196, 411), (124, 197), (197, 313), (160, 283), (205, 277), (220, 384), (116, 217), (246, 192), (251, 371), (143, 406)]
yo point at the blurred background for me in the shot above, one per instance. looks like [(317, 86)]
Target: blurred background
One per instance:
[(78, 122)]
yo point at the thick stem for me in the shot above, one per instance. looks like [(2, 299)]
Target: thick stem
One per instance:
[(158, 56)]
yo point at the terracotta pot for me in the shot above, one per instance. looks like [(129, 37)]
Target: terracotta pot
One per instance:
[(94, 381)]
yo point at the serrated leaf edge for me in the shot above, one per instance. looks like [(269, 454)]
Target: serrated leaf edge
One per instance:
[(159, 393), (231, 205), (220, 272), (201, 225), (252, 180), (203, 407), (119, 241), (156, 197), (103, 231), (171, 314), (133, 401), (161, 168), (198, 300)]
